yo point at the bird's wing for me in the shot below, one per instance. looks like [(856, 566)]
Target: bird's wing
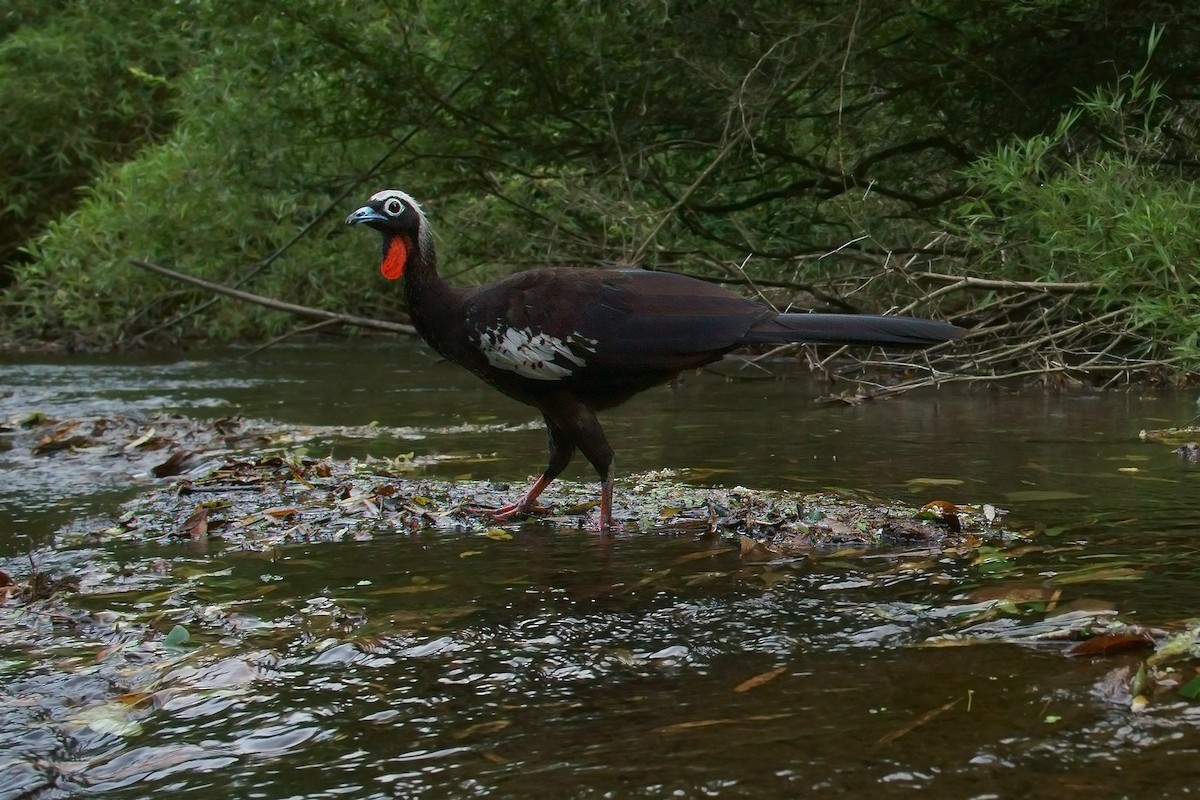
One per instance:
[(550, 323), (660, 319)]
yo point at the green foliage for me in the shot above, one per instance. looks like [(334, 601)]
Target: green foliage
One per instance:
[(692, 136), (1103, 199), (79, 87)]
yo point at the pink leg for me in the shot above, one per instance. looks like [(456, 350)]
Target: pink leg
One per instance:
[(606, 495), (525, 505)]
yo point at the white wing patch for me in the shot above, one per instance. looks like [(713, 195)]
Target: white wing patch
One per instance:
[(539, 356)]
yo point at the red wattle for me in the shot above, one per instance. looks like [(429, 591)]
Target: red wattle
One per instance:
[(394, 259)]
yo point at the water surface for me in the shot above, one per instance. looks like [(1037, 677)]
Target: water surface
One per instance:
[(558, 664)]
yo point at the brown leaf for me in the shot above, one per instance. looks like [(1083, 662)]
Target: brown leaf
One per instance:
[(176, 463), (754, 550), (1130, 638), (60, 439), (196, 525), (944, 512), (924, 719), (1013, 593), (708, 723), (280, 512), (700, 554), (1107, 574), (412, 589), (760, 679), (483, 729)]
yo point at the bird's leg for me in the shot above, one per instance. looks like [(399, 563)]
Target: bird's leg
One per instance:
[(561, 450), (523, 506), (594, 445), (606, 496), (572, 424)]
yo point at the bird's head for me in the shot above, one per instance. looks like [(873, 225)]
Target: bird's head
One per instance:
[(401, 222)]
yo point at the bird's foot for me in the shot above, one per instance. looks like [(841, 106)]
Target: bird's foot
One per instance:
[(605, 528), (508, 512)]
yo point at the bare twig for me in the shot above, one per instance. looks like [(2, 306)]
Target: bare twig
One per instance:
[(1051, 287)]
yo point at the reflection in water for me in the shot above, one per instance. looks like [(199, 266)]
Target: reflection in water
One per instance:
[(561, 665)]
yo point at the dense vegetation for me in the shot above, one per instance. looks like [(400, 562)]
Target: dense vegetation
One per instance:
[(827, 154)]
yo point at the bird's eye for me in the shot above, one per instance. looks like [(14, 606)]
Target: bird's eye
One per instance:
[(393, 207)]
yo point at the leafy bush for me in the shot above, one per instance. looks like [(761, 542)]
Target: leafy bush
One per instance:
[(1104, 200), (81, 85), (834, 149)]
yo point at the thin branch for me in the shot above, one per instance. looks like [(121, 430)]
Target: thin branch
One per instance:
[(965, 282), (327, 317)]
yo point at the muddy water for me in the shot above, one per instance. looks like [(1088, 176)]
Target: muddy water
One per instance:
[(556, 664)]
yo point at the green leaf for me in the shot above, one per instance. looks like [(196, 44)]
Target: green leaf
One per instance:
[(1191, 689), (176, 637)]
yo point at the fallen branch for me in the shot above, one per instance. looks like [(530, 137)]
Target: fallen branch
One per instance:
[(327, 317), (966, 282)]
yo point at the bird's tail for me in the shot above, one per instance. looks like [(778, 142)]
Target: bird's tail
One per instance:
[(851, 329)]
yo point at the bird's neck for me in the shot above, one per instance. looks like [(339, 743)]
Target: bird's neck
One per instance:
[(432, 302)]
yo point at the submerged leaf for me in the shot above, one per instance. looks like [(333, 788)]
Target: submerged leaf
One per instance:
[(702, 554), (920, 484), (1042, 495), (1089, 574), (760, 679), (176, 637), (483, 728), (415, 588), (708, 723), (1129, 638)]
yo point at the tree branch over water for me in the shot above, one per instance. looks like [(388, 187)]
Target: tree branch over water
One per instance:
[(328, 317)]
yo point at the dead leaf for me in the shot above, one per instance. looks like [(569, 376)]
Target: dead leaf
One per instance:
[(196, 525), (176, 463), (924, 719), (1012, 594), (413, 589), (139, 441), (701, 554), (708, 723), (579, 508), (944, 512), (771, 577), (920, 484), (753, 550), (61, 439), (1129, 638), (1092, 574), (760, 679), (281, 512), (483, 728)]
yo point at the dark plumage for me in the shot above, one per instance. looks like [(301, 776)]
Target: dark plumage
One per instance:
[(571, 342)]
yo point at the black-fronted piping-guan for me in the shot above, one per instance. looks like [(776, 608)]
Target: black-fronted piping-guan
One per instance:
[(571, 342)]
